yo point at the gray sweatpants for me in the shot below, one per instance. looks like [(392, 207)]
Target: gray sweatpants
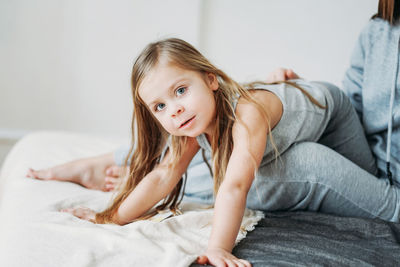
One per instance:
[(335, 175)]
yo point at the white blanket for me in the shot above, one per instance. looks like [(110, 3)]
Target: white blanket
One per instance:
[(34, 233)]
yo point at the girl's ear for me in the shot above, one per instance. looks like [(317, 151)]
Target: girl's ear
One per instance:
[(212, 81)]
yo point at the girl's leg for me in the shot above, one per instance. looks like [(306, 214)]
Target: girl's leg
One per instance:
[(345, 133), (98, 172), (310, 176)]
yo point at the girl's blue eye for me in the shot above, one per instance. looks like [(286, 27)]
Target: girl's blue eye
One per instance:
[(180, 91), (160, 106)]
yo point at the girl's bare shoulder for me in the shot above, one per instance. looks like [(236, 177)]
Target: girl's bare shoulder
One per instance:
[(271, 103)]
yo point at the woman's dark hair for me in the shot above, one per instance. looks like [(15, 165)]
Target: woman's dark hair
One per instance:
[(388, 10)]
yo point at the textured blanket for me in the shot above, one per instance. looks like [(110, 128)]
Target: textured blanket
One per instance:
[(35, 233), (316, 239)]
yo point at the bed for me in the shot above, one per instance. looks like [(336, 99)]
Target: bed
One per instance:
[(34, 233)]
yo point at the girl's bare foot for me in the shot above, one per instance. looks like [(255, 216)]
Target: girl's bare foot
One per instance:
[(98, 173)]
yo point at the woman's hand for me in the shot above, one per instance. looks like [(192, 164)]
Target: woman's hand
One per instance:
[(82, 213), (281, 74), (219, 257)]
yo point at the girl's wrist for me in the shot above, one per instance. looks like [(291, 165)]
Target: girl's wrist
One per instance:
[(215, 247)]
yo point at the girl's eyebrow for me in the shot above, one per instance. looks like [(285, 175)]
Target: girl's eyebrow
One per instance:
[(173, 85)]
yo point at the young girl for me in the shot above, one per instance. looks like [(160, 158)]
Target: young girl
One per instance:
[(262, 141)]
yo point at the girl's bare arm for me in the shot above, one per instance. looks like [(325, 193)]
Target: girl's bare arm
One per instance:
[(155, 186), (249, 146)]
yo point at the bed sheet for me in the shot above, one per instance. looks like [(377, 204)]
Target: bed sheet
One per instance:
[(34, 233)]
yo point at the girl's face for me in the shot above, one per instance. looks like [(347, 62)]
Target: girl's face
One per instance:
[(181, 100)]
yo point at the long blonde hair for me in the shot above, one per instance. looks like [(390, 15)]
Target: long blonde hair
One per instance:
[(151, 138)]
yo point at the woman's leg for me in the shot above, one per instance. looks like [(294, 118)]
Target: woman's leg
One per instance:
[(310, 176)]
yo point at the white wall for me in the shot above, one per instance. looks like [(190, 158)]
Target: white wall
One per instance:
[(248, 39), (65, 64)]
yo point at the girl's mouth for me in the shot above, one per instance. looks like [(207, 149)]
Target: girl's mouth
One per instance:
[(187, 122)]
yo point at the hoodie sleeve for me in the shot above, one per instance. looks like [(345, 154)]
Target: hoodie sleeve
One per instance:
[(353, 78)]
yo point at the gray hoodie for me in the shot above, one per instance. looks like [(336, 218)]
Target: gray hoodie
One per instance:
[(372, 82)]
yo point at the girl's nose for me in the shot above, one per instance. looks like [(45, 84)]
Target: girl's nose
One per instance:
[(178, 110)]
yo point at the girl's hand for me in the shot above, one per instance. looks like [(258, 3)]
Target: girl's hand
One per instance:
[(219, 257), (82, 213), (281, 74)]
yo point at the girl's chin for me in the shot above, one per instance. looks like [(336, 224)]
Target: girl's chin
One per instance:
[(189, 134), (192, 132)]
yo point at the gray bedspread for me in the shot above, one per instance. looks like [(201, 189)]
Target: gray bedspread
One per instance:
[(315, 239)]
